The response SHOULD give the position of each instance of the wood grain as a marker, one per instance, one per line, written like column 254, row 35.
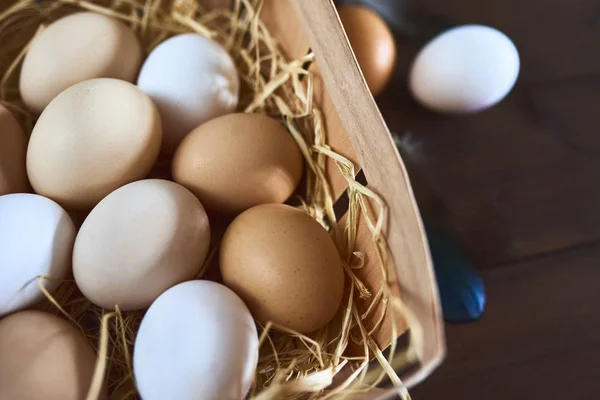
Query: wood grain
column 384, row 171
column 539, row 338
column 515, row 179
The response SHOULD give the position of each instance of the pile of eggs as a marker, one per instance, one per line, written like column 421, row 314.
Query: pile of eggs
column 107, row 120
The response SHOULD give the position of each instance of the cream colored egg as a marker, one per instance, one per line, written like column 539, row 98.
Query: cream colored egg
column 44, row 357
column 13, row 145
column 94, row 137
column 76, row 48
column 139, row 241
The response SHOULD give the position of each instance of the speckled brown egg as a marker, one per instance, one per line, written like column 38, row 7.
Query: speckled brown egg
column 237, row 161
column 75, row 48
column 373, row 44
column 44, row 357
column 13, row 145
column 284, row 265
column 93, row 138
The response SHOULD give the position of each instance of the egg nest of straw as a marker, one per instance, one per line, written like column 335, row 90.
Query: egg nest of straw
column 290, row 365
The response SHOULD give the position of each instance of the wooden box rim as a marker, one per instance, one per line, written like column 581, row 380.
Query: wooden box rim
column 378, row 156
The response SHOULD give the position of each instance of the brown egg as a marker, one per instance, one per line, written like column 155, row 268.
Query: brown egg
column 76, row 48
column 284, row 265
column 373, row 44
column 237, row 161
column 139, row 241
column 44, row 357
column 94, row 137
column 13, row 145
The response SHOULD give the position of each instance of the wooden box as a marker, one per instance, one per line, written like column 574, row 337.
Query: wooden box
column 356, row 130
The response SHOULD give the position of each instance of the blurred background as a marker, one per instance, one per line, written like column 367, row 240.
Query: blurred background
column 515, row 191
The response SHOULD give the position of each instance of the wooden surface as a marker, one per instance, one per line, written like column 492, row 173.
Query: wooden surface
column 519, row 183
column 539, row 339
column 518, row 179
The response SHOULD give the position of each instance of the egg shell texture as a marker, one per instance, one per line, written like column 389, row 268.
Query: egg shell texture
column 465, row 69
column 192, row 79
column 45, row 358
column 284, row 265
column 197, row 341
column 36, row 239
column 94, row 137
column 76, row 48
column 139, row 241
column 13, row 146
column 238, row 161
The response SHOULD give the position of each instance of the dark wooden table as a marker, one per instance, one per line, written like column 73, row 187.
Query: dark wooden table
column 521, row 186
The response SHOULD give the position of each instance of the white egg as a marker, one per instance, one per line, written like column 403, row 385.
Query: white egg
column 465, row 69
column 191, row 79
column 36, row 239
column 197, row 341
